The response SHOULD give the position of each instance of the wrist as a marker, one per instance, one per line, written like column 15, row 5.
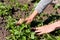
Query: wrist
column 33, row 14
column 56, row 25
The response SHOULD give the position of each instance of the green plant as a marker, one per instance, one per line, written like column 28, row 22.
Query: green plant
column 22, row 32
column 56, row 6
column 24, row 7
column 5, row 9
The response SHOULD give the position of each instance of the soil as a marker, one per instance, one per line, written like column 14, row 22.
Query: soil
column 3, row 32
column 49, row 9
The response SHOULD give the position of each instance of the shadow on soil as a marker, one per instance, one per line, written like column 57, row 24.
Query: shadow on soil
column 47, row 21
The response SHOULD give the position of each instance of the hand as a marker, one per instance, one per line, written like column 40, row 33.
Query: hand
column 29, row 20
column 44, row 29
column 20, row 21
column 31, row 17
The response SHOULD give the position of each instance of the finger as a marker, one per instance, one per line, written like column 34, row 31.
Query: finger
column 17, row 23
column 40, row 33
column 28, row 22
column 38, row 28
column 20, row 21
column 33, row 28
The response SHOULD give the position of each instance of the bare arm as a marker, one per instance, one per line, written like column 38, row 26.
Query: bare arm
column 40, row 7
column 57, row 24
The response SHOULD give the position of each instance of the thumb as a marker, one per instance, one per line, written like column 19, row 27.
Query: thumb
column 26, row 19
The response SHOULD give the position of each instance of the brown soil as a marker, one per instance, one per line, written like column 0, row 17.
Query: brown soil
column 16, row 15
column 23, row 14
column 3, row 31
column 49, row 9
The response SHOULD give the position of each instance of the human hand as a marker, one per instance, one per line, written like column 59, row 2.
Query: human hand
column 28, row 19
column 44, row 29
column 20, row 21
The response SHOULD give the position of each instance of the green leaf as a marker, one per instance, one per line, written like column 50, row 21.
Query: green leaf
column 23, row 38
column 32, row 35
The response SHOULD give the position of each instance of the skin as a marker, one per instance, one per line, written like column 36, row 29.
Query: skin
column 48, row 28
column 44, row 29
column 28, row 19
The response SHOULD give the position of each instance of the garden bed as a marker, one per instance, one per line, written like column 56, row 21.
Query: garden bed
column 12, row 11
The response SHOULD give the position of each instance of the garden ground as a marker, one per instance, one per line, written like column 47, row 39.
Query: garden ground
column 18, row 13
